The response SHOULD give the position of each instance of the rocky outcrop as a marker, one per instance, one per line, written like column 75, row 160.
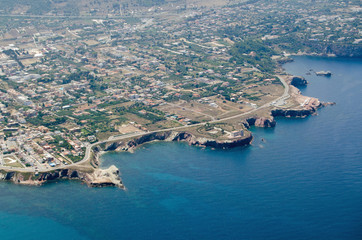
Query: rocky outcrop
column 160, row 136
column 295, row 113
column 324, row 73
column 298, row 81
column 20, row 178
column 96, row 178
column 308, row 109
column 219, row 144
column 190, row 139
column 113, row 146
column 305, row 106
column 324, row 104
column 104, row 178
column 262, row 122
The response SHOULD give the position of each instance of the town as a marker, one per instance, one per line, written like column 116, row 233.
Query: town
column 67, row 82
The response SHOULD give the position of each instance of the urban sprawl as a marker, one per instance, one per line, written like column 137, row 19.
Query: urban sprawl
column 68, row 82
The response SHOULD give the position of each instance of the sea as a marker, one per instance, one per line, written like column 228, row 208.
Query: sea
column 302, row 181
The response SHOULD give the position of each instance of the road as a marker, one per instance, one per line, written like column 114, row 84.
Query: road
column 88, row 151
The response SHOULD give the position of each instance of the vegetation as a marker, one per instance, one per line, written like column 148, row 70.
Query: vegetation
column 255, row 53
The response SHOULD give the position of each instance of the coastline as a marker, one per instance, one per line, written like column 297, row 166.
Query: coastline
column 283, row 171
column 292, row 104
column 110, row 177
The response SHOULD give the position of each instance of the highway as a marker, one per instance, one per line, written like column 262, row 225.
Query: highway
column 88, row 151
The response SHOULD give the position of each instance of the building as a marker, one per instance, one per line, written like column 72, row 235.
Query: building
column 236, row 134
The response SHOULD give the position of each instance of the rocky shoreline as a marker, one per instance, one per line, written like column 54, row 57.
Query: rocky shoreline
column 174, row 136
column 306, row 105
column 96, row 177
column 261, row 122
column 110, row 177
column 93, row 176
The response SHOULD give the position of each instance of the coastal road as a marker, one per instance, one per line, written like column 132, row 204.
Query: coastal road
column 89, row 151
column 114, row 139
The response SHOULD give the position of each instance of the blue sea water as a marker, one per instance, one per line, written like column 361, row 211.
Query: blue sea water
column 303, row 182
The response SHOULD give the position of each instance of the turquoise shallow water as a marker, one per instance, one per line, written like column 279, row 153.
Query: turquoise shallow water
column 304, row 182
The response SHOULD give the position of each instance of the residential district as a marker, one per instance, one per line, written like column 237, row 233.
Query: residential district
column 68, row 81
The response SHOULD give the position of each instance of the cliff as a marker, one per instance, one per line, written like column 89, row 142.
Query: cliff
column 96, row 178
column 104, row 178
column 306, row 106
column 173, row 136
column 298, row 81
column 301, row 113
column 262, row 122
